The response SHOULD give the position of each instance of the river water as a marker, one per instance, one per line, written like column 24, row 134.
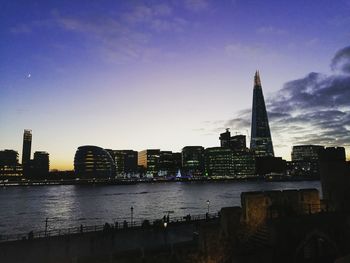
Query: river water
column 23, row 209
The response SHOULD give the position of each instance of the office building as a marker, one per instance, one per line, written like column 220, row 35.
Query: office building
column 125, row 162
column 243, row 164
column 218, row 162
column 193, row 161
column 177, row 159
column 9, row 165
column 26, row 151
column 306, row 160
column 149, row 161
column 261, row 142
column 40, row 164
column 271, row 166
column 93, row 162
column 166, row 164
column 235, row 143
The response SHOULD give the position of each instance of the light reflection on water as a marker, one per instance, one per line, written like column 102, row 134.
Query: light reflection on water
column 25, row 208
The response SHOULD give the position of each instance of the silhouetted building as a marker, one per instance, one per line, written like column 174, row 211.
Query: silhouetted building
column 93, row 162
column 261, row 142
column 9, row 165
column 335, row 178
column 26, row 151
column 177, row 159
column 166, row 164
column 270, row 165
column 193, row 161
column 149, row 160
column 125, row 162
column 218, row 162
column 306, row 160
column 235, row 143
column 40, row 164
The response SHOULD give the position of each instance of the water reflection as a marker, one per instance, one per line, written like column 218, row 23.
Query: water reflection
column 25, row 208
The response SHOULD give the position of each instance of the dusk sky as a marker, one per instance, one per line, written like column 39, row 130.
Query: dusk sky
column 166, row 74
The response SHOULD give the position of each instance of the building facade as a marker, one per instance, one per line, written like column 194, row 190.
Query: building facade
column 9, row 165
column 40, row 164
column 261, row 142
column 93, row 162
column 26, row 151
column 219, row 162
column 235, row 143
column 193, row 161
column 125, row 162
column 244, row 164
column 149, row 160
column 306, row 161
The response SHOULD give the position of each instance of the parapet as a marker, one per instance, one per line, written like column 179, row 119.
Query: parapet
column 257, row 207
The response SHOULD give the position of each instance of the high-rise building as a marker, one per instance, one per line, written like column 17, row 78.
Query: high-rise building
column 261, row 142
column 26, row 151
column 41, row 164
column 235, row 143
column 149, row 160
column 193, row 161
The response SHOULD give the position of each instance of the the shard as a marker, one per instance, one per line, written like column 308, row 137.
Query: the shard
column 261, row 142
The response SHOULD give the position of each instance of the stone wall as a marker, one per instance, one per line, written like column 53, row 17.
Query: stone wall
column 257, row 207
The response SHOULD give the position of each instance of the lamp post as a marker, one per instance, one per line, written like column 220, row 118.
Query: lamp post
column 132, row 216
column 46, row 223
column 165, row 233
column 208, row 204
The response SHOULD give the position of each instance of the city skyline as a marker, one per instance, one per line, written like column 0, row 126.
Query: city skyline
column 153, row 74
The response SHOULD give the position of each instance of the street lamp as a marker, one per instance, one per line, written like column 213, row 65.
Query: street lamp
column 46, row 225
column 132, row 215
column 208, row 204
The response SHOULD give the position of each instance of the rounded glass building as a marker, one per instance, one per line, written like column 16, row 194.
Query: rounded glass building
column 93, row 161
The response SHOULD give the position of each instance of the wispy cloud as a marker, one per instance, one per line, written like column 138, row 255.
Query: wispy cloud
column 196, row 5
column 270, row 30
column 118, row 37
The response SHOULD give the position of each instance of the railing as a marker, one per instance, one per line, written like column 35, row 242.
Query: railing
column 109, row 227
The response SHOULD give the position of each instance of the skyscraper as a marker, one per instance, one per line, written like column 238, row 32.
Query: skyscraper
column 26, row 151
column 260, row 142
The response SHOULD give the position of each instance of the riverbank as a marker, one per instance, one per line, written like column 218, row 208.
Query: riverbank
column 110, row 181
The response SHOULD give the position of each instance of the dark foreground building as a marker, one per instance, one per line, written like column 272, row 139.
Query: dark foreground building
column 93, row 162
column 261, row 142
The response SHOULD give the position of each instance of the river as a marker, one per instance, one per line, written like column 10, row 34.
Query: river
column 25, row 208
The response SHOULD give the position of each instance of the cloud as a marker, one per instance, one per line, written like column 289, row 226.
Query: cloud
column 341, row 60
column 117, row 37
column 270, row 30
column 314, row 109
column 196, row 5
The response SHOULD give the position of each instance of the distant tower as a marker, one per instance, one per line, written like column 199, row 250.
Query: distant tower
column 27, row 146
column 260, row 142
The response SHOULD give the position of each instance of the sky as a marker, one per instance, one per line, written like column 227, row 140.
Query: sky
column 166, row 74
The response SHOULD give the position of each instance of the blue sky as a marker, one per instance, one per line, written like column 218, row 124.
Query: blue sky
column 165, row 74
